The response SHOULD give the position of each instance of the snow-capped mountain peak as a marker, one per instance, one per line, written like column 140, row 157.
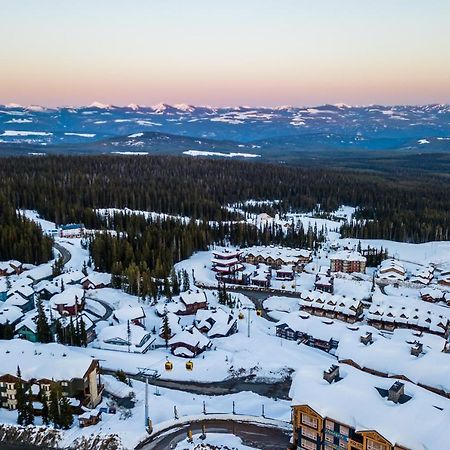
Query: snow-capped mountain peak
column 99, row 105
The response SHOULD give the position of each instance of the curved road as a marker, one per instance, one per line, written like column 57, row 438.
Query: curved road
column 66, row 255
column 258, row 436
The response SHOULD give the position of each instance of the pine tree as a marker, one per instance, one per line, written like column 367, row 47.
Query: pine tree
column 83, row 333
column 45, row 411
column 29, row 411
column 128, row 335
column 66, row 417
column 21, row 403
column 166, row 331
column 59, row 332
column 44, row 334
column 174, row 282
column 167, row 291
column 53, row 408
column 186, row 282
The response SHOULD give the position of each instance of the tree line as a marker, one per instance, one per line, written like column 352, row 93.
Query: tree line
column 69, row 189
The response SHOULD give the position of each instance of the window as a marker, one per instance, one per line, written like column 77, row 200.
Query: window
column 372, row 445
column 309, row 420
column 309, row 434
column 329, row 425
column 308, row 445
column 329, row 438
column 344, row 430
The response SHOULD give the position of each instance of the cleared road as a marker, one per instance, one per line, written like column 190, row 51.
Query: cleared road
column 258, row 436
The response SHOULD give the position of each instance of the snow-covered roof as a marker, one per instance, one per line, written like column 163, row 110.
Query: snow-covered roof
column 391, row 354
column 216, row 321
column 192, row 337
column 391, row 264
column 389, row 308
column 117, row 337
column 329, row 302
column 50, row 361
column 129, row 313
column 355, row 401
column 193, row 297
column 320, row 327
column 346, row 255
column 10, row 314
column 25, row 290
column 98, row 278
column 435, row 294
column 287, row 254
column 68, row 296
column 16, row 300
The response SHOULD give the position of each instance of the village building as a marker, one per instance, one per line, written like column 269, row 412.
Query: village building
column 6, row 269
column 191, row 301
column 389, row 313
column 72, row 230
column 27, row 328
column 431, row 295
column 422, row 275
column 216, row 323
column 227, row 264
column 276, row 257
column 261, row 276
column 444, row 278
column 324, row 281
column 24, row 303
column 332, row 306
column 189, row 343
column 130, row 314
column 10, row 315
column 310, row 331
column 126, row 338
column 347, row 262
column 342, row 407
column 69, row 302
column 77, row 375
column 391, row 269
column 285, row 273
column 96, row 280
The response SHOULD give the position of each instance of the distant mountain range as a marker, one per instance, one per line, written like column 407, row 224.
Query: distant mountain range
column 283, row 134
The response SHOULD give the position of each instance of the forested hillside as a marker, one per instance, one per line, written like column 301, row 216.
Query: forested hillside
column 20, row 238
column 68, row 189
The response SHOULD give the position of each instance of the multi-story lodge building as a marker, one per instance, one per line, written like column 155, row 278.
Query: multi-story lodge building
column 393, row 270
column 391, row 313
column 227, row 264
column 41, row 366
column 347, row 262
column 345, row 408
column 276, row 257
column 331, row 306
column 324, row 281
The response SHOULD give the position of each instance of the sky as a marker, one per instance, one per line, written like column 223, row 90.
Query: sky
column 224, row 52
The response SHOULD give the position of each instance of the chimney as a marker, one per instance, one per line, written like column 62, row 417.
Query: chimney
column 416, row 349
column 332, row 374
column 396, row 391
column 366, row 339
column 446, row 347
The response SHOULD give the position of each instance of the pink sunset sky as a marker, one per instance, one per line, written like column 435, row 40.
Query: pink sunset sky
column 253, row 52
